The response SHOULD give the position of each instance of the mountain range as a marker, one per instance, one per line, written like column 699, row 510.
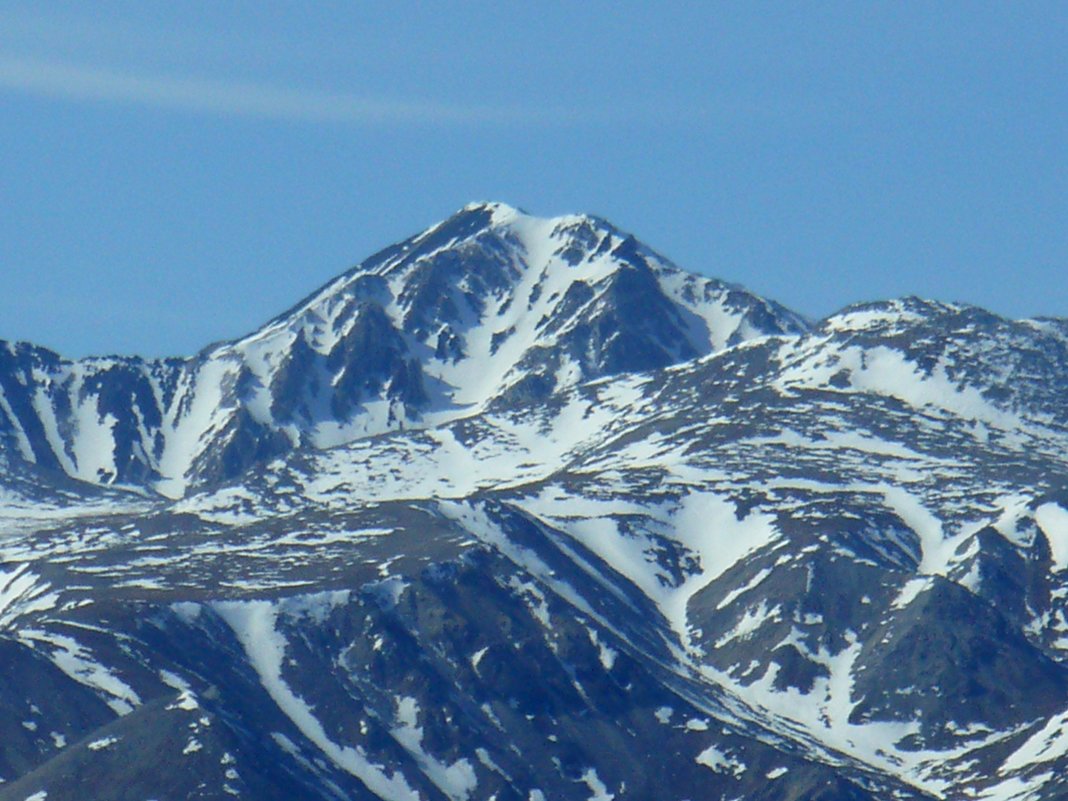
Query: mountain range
column 517, row 509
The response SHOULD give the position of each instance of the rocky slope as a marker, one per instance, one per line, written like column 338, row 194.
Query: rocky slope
column 517, row 510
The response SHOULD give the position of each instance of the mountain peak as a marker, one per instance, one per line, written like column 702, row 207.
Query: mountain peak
column 496, row 214
column 500, row 213
column 490, row 306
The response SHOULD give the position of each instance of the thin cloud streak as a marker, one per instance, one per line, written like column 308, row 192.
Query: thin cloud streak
column 64, row 81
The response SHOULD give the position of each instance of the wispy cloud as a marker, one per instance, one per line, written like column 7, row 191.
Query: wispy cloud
column 76, row 82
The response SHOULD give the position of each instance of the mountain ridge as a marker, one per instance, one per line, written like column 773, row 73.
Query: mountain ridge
column 820, row 564
column 362, row 344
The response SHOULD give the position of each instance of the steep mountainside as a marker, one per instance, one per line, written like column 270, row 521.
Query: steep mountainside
column 516, row 510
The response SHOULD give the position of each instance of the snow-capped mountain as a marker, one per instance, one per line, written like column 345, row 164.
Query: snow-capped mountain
column 491, row 304
column 516, row 509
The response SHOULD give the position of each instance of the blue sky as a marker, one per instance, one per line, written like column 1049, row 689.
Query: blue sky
column 176, row 174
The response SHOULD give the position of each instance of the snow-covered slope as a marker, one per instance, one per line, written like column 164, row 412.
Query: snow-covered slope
column 515, row 510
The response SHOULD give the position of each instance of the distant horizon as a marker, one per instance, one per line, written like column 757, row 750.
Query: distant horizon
column 175, row 178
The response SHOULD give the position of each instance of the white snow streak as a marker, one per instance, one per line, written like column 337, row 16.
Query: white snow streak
column 254, row 624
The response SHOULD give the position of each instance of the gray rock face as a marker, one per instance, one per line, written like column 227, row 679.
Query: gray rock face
column 517, row 510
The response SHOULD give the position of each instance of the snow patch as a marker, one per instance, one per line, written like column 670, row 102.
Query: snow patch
column 598, row 789
column 719, row 761
column 1045, row 745
column 710, row 526
column 254, row 625
column 1053, row 521
column 457, row 781
column 76, row 661
column 23, row 593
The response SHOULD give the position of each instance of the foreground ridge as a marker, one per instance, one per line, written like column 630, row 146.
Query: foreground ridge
column 516, row 509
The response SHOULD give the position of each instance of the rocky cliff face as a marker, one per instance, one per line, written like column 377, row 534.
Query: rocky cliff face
column 517, row 510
